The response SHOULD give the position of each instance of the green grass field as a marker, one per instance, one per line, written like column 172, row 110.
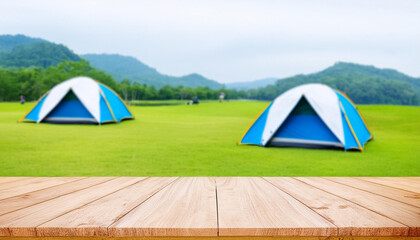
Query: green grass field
column 180, row 140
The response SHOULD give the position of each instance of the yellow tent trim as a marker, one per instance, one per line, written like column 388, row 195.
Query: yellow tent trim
column 109, row 106
column 360, row 114
column 119, row 98
column 354, row 134
column 252, row 123
column 30, row 109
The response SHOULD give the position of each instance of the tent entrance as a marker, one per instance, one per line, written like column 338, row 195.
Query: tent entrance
column 304, row 128
column 70, row 110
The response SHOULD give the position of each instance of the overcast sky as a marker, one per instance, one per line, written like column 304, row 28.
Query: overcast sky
column 229, row 41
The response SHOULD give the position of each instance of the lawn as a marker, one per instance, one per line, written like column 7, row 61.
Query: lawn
column 181, row 140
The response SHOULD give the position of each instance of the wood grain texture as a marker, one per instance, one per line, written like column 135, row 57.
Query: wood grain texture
column 187, row 207
column 28, row 199
column 404, row 196
column 351, row 219
column 211, row 238
column 398, row 211
column 93, row 219
column 254, row 207
column 24, row 221
column 158, row 208
column 407, row 183
column 27, row 180
column 33, row 181
column 15, row 188
column 11, row 179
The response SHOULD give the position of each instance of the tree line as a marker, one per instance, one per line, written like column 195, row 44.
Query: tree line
column 35, row 81
column 362, row 89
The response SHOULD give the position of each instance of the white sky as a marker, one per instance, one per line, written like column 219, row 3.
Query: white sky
column 229, row 40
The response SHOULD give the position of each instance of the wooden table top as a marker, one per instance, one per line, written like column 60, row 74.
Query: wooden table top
column 209, row 206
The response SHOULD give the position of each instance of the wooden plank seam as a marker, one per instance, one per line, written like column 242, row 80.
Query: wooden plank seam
column 382, row 195
column 409, row 228
column 329, row 220
column 19, row 197
column 217, row 208
column 184, row 209
column 345, row 214
column 11, row 179
column 382, row 184
column 36, row 232
column 49, row 198
column 319, row 183
column 41, row 179
column 385, row 181
column 361, row 205
column 170, row 183
column 108, row 208
column 37, row 190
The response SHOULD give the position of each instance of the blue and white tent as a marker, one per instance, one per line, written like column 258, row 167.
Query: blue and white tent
column 79, row 100
column 312, row 116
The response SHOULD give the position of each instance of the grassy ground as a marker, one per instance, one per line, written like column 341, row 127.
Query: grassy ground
column 180, row 140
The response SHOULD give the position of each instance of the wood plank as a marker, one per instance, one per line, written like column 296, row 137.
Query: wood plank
column 383, row 190
column 93, row 219
column 187, row 207
column 11, row 189
column 398, row 211
column 11, row 179
column 407, row 183
column 212, row 238
column 28, row 199
column 154, row 207
column 351, row 219
column 254, row 207
column 23, row 222
column 27, row 180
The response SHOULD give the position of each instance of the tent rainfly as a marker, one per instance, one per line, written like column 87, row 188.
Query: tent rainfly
column 79, row 100
column 309, row 116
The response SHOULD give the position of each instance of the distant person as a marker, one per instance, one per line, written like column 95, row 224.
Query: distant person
column 221, row 96
column 195, row 100
column 22, row 99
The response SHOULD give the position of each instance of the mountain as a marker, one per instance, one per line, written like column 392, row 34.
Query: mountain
column 354, row 70
column 363, row 84
column 118, row 64
column 125, row 67
column 22, row 51
column 8, row 42
column 252, row 84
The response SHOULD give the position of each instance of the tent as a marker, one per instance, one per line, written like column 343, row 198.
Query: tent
column 310, row 116
column 79, row 100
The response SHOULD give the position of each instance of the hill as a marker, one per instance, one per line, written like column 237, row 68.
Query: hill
column 358, row 70
column 252, row 84
column 8, row 42
column 363, row 84
column 118, row 64
column 22, row 51
column 126, row 67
